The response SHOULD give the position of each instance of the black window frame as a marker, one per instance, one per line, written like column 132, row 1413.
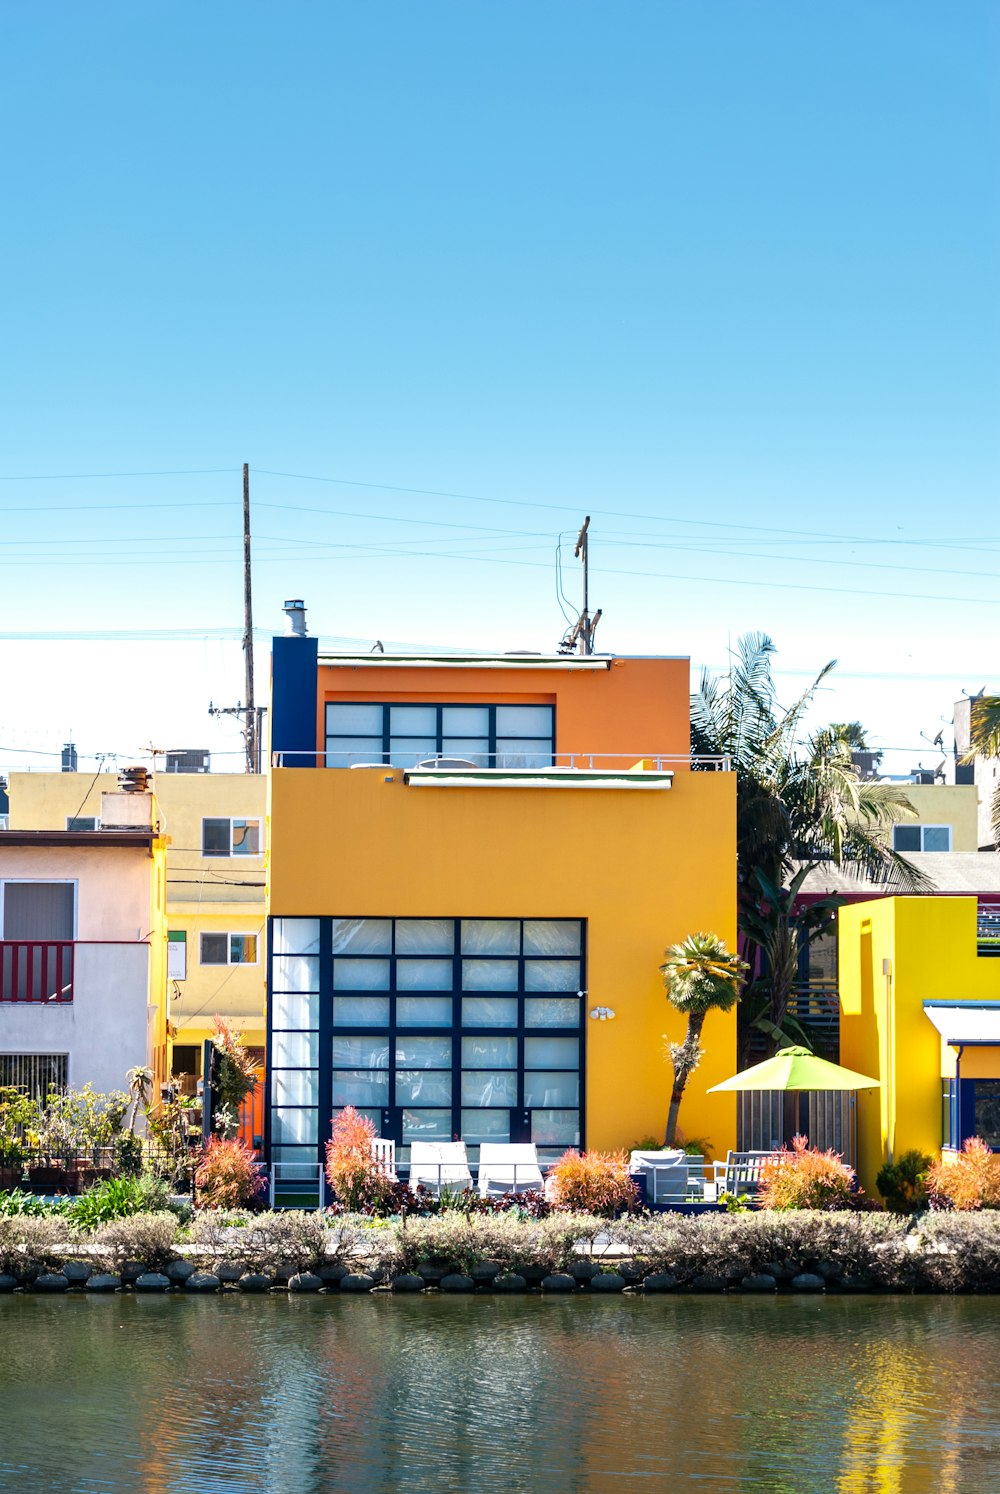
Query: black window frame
column 230, row 821
column 441, row 737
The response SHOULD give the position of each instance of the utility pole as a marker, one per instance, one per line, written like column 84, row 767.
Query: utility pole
column 251, row 715
column 581, row 635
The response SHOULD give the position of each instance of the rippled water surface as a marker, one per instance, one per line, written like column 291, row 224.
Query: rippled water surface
column 302, row 1394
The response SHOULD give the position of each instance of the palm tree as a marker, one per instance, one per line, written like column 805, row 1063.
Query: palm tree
column 700, row 975
column 984, row 740
column 799, row 803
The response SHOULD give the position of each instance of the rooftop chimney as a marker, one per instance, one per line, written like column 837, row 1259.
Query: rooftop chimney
column 295, row 619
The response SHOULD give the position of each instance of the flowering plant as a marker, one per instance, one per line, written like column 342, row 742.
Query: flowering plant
column 805, row 1178
column 971, row 1180
column 593, row 1183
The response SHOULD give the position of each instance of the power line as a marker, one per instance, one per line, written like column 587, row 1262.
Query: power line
column 87, row 476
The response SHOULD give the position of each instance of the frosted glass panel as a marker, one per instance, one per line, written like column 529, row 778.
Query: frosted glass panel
column 295, row 1012
column 423, row 975
column 354, row 720
column 538, row 1012
column 466, row 721
column 423, row 1011
column 344, row 752
column 475, row 750
column 489, row 1088
column 360, row 1087
column 295, row 1050
column 485, row 1125
column 513, row 752
column 413, row 721
column 489, row 1052
column 489, row 975
column 552, row 975
column 295, row 973
column 407, row 752
column 551, row 1088
column 423, row 1087
column 524, row 721
column 551, row 936
column 427, row 1125
column 296, row 936
column 375, row 1116
column 423, row 1052
column 551, row 1053
column 555, row 1127
column 296, row 1162
column 362, row 935
column 425, row 936
column 360, row 1011
column 295, row 1086
column 360, row 1052
column 487, row 1011
column 495, row 936
column 294, row 1126
column 361, row 975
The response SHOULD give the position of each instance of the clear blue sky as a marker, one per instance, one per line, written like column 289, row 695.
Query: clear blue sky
column 723, row 275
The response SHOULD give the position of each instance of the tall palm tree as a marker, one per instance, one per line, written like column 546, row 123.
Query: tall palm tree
column 984, row 737
column 700, row 975
column 800, row 802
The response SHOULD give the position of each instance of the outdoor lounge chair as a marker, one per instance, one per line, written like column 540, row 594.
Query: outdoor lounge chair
column 384, row 1153
column 439, row 1164
column 508, row 1167
column 667, row 1175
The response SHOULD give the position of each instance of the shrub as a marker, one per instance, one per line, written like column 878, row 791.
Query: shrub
column 28, row 1241
column 903, row 1183
column 461, row 1241
column 263, row 1242
column 358, row 1180
column 594, row 1183
column 959, row 1251
column 227, row 1175
column 971, row 1180
column 118, row 1198
column 19, row 1203
column 149, row 1238
column 805, row 1178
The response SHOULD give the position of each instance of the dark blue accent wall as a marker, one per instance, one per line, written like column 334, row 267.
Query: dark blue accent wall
column 293, row 700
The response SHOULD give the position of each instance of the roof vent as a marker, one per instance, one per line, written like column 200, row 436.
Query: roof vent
column 295, row 618
column 133, row 780
column 191, row 760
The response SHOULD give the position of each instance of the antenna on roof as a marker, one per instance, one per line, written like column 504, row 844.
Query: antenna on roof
column 580, row 637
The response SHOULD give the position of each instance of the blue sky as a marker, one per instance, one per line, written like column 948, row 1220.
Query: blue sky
column 722, row 275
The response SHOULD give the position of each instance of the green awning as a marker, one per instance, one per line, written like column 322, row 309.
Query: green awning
column 796, row 1068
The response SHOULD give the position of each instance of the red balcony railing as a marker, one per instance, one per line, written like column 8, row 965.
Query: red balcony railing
column 36, row 970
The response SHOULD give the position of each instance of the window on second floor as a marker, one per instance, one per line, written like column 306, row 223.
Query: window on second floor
column 229, row 949
column 490, row 736
column 38, row 910
column 230, row 838
column 921, row 838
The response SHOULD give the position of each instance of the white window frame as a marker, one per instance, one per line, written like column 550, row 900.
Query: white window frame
column 229, row 934
column 242, row 819
column 908, row 825
column 63, row 882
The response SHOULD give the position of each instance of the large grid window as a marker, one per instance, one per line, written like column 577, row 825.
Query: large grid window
column 501, row 736
column 432, row 1027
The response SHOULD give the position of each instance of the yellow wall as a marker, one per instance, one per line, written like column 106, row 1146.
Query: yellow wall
column 203, row 894
column 954, row 804
column 931, row 945
column 644, row 868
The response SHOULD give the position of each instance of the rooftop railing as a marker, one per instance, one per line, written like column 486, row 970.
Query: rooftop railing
column 506, row 761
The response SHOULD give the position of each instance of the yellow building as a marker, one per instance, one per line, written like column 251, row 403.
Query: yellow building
column 945, row 818
column 213, row 827
column 475, row 865
column 920, row 1011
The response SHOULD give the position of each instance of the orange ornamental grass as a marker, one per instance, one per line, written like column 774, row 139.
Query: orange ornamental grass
column 354, row 1173
column 804, row 1178
column 971, row 1180
column 227, row 1175
column 594, row 1183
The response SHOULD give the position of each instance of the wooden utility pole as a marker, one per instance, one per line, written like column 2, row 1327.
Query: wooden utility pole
column 586, row 645
column 253, row 765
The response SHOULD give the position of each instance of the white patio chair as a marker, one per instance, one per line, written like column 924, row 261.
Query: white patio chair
column 508, row 1167
column 666, row 1175
column 384, row 1153
column 740, row 1173
column 439, row 1164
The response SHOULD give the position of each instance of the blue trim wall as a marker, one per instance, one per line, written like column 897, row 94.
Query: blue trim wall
column 294, row 667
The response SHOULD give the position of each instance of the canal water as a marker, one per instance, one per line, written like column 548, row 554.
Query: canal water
column 296, row 1395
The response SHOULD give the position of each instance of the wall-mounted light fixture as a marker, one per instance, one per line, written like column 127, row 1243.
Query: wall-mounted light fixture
column 601, row 1014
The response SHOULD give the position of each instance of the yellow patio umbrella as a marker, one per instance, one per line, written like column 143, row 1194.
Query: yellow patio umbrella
column 796, row 1069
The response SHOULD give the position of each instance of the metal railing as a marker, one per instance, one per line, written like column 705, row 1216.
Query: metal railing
column 988, row 929
column 509, row 761
column 36, row 970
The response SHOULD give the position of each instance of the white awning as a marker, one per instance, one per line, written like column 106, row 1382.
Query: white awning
column 532, row 778
column 967, row 1022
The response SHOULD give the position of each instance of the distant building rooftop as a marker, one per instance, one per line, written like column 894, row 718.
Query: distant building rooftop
column 966, row 872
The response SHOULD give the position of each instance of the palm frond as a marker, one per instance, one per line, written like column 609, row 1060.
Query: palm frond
column 984, row 727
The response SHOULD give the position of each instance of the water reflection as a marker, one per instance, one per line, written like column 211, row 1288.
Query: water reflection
column 362, row 1395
